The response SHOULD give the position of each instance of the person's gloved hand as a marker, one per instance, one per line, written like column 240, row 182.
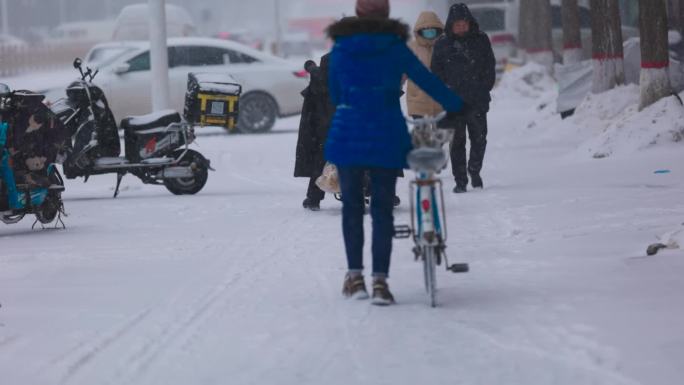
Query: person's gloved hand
column 452, row 118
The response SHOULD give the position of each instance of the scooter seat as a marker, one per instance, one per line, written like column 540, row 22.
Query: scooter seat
column 154, row 120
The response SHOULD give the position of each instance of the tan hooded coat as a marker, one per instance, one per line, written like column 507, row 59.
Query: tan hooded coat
column 419, row 103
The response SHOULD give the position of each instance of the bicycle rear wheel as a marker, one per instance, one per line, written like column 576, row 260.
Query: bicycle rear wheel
column 429, row 270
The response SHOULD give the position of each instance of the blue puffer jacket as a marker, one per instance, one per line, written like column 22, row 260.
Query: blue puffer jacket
column 368, row 61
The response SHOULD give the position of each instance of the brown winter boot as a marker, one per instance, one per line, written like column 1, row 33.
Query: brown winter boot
column 381, row 293
column 354, row 287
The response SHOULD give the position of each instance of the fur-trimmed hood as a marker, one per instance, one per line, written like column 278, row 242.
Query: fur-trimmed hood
column 350, row 26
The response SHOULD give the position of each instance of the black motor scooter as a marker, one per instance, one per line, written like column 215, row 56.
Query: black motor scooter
column 156, row 145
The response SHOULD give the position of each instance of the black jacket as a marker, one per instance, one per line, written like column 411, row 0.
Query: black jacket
column 466, row 63
column 317, row 112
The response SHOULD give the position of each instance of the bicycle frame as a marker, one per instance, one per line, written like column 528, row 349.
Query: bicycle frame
column 427, row 211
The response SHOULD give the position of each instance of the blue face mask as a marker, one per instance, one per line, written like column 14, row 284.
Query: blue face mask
column 429, row 33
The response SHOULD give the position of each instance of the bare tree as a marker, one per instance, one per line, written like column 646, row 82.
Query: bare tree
column 678, row 15
column 655, row 57
column 526, row 23
column 608, row 56
column 535, row 31
column 572, row 37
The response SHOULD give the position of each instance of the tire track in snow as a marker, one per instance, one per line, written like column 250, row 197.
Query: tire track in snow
column 181, row 330
column 550, row 356
column 101, row 345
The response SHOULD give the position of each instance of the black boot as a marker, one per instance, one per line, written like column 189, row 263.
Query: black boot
column 460, row 189
column 476, row 181
column 311, row 204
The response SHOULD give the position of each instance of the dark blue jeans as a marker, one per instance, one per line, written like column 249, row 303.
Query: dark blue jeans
column 383, row 184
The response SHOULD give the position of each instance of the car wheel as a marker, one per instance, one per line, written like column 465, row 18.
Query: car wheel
column 258, row 113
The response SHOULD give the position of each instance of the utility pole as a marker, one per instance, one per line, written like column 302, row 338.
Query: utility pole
column 62, row 11
column 5, row 17
column 108, row 9
column 159, row 55
column 278, row 30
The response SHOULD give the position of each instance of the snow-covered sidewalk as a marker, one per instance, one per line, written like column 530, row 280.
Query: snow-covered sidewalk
column 239, row 285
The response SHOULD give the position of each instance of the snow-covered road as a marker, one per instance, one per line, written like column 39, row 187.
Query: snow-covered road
column 239, row 285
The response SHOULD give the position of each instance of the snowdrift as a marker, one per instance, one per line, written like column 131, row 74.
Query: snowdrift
column 619, row 127
column 603, row 125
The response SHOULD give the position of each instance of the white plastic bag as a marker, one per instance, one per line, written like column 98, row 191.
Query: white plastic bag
column 329, row 181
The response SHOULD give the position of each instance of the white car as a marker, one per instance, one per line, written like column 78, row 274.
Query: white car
column 271, row 85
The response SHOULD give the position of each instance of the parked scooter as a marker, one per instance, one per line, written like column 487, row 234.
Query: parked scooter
column 156, row 145
column 29, row 142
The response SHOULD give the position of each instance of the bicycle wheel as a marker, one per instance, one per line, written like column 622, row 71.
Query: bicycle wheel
column 429, row 263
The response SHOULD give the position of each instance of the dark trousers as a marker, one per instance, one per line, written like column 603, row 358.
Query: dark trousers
column 313, row 192
column 383, row 184
column 475, row 123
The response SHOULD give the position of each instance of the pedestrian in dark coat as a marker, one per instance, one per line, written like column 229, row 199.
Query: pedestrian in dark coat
column 464, row 60
column 369, row 133
column 317, row 112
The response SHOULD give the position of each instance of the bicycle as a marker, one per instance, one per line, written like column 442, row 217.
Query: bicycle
column 428, row 213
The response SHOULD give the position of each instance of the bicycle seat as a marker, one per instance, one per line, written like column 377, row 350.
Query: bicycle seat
column 427, row 159
column 154, row 120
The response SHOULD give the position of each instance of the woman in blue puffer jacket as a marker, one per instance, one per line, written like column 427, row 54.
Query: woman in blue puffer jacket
column 368, row 132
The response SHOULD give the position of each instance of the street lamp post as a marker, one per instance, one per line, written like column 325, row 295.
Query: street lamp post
column 159, row 56
column 278, row 30
column 5, row 17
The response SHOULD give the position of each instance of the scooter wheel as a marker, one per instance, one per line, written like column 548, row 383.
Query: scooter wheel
column 49, row 210
column 189, row 186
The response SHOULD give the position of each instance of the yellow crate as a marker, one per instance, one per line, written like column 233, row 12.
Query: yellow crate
column 209, row 116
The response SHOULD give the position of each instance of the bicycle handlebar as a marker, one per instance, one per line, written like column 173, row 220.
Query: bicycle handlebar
column 428, row 120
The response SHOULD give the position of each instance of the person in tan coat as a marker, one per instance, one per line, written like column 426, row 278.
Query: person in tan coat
column 427, row 30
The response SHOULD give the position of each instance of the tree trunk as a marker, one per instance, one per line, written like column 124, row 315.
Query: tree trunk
column 608, row 57
column 655, row 57
column 681, row 17
column 674, row 14
column 535, row 31
column 526, row 23
column 572, row 37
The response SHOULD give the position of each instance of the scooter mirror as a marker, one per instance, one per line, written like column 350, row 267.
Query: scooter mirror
column 309, row 66
column 77, row 63
column 4, row 89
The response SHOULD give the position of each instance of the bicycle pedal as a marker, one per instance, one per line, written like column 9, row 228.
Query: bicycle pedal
column 402, row 232
column 459, row 268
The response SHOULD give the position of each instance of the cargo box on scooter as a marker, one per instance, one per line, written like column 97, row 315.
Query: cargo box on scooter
column 212, row 99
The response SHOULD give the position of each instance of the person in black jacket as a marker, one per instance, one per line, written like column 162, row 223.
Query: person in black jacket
column 464, row 60
column 317, row 113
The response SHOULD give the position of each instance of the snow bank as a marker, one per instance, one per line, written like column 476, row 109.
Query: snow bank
column 618, row 127
column 531, row 81
column 604, row 124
